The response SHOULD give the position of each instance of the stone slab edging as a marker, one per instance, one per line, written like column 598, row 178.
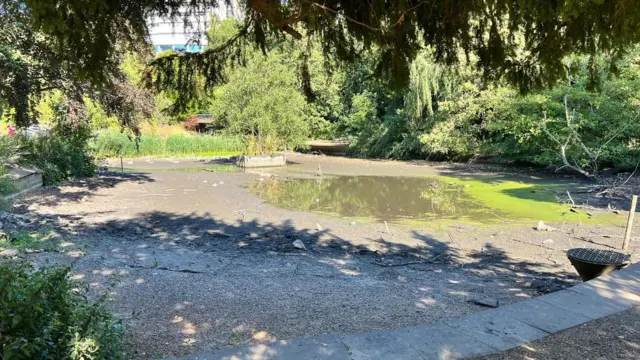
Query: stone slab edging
column 481, row 333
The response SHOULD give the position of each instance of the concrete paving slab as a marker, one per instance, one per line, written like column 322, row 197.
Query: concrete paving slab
column 496, row 329
column 591, row 307
column 315, row 348
column 544, row 316
column 441, row 341
column 381, row 345
column 619, row 287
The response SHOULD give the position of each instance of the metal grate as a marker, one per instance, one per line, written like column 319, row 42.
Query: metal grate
column 597, row 256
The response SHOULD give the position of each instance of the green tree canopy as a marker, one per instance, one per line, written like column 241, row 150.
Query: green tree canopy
column 525, row 41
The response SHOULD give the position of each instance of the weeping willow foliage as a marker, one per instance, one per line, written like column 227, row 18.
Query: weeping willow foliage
column 429, row 82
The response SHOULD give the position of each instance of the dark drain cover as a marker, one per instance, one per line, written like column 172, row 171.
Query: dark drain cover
column 598, row 257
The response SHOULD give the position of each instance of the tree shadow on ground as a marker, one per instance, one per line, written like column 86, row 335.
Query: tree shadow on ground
column 205, row 233
column 77, row 190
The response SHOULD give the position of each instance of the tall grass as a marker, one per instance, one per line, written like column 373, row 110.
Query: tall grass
column 113, row 144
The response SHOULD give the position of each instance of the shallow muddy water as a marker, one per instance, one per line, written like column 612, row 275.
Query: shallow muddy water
column 424, row 199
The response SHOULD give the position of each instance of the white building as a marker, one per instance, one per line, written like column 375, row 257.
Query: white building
column 168, row 35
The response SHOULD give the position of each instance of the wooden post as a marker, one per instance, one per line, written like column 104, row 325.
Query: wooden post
column 632, row 211
column 121, row 165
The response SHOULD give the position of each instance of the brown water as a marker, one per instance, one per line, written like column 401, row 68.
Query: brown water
column 410, row 199
column 378, row 198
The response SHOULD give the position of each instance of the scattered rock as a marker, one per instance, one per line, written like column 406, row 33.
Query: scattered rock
column 548, row 242
column 217, row 233
column 298, row 244
column 8, row 253
column 253, row 235
column 544, row 227
column 488, row 302
column 317, row 227
column 221, row 183
column 205, row 181
column 353, row 223
column 215, row 185
column 546, row 286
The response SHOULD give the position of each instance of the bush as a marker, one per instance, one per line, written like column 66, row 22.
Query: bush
column 45, row 316
column 61, row 154
column 114, row 144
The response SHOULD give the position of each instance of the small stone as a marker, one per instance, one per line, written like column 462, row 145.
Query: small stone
column 353, row 223
column 261, row 179
column 544, row 227
column 298, row 244
column 317, row 200
column 488, row 302
column 548, row 242
column 205, row 181
column 215, row 185
column 221, row 183
column 317, row 227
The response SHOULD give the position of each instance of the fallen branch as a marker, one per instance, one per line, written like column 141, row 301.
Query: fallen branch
column 188, row 271
column 430, row 260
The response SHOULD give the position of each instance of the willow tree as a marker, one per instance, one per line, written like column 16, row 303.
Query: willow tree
column 520, row 40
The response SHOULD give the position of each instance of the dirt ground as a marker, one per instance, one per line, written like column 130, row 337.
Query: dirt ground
column 194, row 261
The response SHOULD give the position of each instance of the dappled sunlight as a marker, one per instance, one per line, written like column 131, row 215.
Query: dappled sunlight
column 426, row 302
column 262, row 336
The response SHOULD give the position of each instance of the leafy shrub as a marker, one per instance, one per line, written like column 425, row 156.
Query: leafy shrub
column 45, row 316
column 61, row 154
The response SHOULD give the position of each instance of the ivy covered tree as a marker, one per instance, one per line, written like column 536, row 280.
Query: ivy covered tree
column 522, row 41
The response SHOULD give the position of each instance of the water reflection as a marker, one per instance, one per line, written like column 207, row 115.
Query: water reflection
column 379, row 198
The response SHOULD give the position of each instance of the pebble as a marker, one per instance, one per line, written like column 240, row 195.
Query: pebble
column 548, row 242
column 221, row 183
column 488, row 302
column 544, row 227
column 214, row 185
column 353, row 223
column 298, row 244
